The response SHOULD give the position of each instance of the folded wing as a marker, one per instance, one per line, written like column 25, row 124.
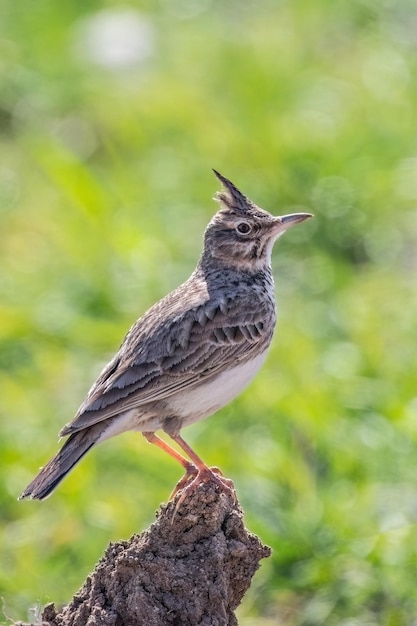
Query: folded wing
column 188, row 348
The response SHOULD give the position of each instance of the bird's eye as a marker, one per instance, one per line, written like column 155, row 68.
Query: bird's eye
column 243, row 228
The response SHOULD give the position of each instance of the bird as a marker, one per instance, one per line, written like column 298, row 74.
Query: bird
column 192, row 352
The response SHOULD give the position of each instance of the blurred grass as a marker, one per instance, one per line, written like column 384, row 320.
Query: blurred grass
column 105, row 190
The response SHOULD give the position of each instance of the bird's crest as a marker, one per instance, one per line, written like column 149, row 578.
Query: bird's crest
column 230, row 197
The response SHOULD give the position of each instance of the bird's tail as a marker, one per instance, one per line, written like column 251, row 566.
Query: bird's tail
column 50, row 476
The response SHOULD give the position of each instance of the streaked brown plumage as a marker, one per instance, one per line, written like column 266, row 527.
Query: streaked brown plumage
column 190, row 353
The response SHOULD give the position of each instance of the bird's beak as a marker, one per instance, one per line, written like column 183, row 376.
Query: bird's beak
column 285, row 222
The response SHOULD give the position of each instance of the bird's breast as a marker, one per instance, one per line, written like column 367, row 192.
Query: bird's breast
column 207, row 398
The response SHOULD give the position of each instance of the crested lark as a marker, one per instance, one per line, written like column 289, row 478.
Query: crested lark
column 192, row 352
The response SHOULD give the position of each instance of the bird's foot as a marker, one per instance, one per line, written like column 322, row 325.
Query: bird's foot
column 191, row 481
column 190, row 474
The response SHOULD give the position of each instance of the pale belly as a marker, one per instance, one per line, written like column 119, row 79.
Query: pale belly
column 192, row 405
column 199, row 402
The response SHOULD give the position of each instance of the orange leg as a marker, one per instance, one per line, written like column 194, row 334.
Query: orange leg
column 189, row 452
column 190, row 469
column 157, row 441
column 204, row 473
column 196, row 471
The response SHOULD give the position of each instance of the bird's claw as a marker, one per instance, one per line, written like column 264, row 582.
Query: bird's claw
column 189, row 476
column 198, row 477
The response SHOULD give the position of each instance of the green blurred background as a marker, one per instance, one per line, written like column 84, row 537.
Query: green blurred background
column 111, row 116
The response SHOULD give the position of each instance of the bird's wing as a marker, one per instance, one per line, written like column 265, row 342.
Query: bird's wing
column 184, row 351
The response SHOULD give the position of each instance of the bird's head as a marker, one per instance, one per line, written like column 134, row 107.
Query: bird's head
column 242, row 234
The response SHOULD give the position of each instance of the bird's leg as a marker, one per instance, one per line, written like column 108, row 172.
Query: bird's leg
column 157, row 441
column 204, row 473
column 191, row 470
column 199, row 463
